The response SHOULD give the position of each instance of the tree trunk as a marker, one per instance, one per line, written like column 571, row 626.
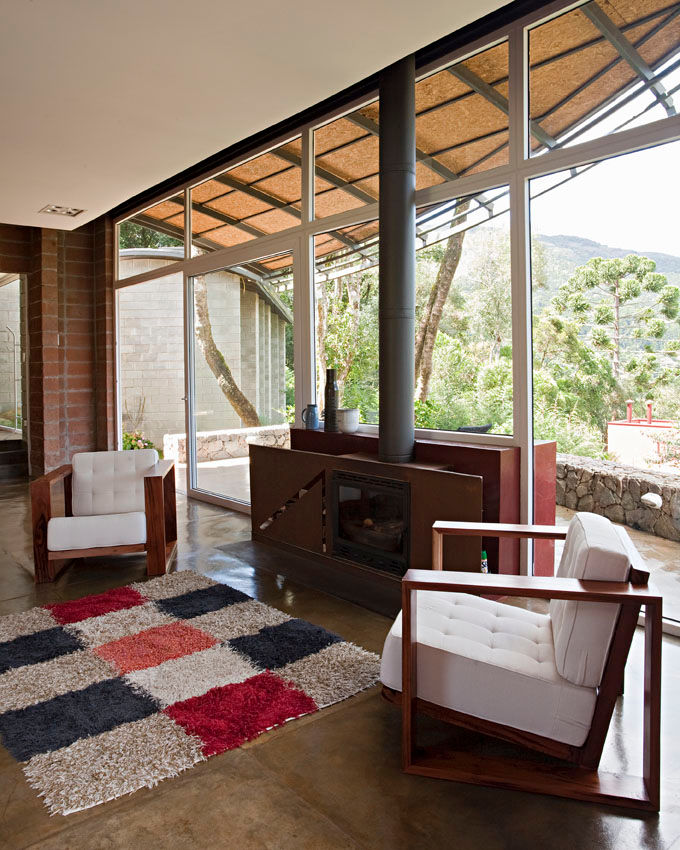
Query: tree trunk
column 215, row 359
column 354, row 303
column 432, row 313
column 321, row 321
column 617, row 331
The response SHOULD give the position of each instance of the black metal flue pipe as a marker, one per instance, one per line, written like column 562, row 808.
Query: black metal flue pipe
column 397, row 260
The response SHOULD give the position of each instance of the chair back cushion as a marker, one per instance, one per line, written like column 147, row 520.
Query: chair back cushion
column 582, row 631
column 110, row 482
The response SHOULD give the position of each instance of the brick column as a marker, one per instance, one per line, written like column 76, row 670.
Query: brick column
column 45, row 380
column 103, row 334
column 76, row 320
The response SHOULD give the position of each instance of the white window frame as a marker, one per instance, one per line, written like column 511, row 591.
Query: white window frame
column 516, row 174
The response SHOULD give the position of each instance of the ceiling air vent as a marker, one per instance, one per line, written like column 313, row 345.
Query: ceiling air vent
column 55, row 209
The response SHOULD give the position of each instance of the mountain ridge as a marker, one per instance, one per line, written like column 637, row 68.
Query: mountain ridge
column 583, row 249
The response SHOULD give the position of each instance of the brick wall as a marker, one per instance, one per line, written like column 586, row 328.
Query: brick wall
column 16, row 248
column 103, row 333
column 44, row 367
column 75, row 279
column 68, row 280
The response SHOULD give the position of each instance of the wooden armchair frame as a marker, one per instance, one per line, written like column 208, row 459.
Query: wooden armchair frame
column 161, row 522
column 580, row 779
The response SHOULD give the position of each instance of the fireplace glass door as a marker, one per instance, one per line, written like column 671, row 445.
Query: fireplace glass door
column 370, row 518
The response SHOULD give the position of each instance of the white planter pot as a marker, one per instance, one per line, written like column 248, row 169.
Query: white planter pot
column 348, row 419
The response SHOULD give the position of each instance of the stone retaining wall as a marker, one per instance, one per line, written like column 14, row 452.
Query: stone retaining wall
column 220, row 445
column 614, row 490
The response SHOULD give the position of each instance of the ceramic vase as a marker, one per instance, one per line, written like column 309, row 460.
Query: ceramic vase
column 330, row 417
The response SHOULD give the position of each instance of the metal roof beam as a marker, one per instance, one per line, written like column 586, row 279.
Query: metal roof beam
column 425, row 158
column 266, row 198
column 629, row 53
column 178, row 233
column 469, row 78
column 228, row 219
column 254, row 192
column 374, row 128
column 329, row 177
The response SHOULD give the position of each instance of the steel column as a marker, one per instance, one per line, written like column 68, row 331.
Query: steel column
column 397, row 260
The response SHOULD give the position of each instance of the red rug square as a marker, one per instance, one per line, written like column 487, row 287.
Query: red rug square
column 154, row 646
column 223, row 718
column 95, row 606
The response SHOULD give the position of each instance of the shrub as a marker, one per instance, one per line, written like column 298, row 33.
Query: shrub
column 137, row 440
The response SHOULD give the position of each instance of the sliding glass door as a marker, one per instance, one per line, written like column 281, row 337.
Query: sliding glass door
column 240, row 370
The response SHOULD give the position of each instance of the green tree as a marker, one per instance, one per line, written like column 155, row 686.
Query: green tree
column 571, row 378
column 617, row 302
column 131, row 235
column 432, row 310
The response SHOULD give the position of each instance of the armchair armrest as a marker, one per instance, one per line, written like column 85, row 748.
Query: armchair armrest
column 537, row 587
column 500, row 529
column 161, row 469
column 445, row 528
column 161, row 516
column 55, row 475
column 41, row 513
column 41, row 492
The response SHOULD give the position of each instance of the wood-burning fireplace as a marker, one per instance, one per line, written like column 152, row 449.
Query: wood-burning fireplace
column 370, row 518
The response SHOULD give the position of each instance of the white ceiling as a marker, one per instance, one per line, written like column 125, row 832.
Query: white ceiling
column 101, row 100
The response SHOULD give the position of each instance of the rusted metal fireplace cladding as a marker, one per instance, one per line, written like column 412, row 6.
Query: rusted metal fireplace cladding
column 364, row 548
column 397, row 261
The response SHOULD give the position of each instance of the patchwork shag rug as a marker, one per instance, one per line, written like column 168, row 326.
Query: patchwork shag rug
column 114, row 692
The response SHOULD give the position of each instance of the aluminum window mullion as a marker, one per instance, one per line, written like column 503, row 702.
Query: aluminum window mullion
column 303, row 326
column 188, row 234
column 520, row 263
column 189, row 422
column 622, row 142
column 304, row 343
column 118, row 430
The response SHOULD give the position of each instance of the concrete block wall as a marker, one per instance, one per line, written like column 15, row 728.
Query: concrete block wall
column 151, row 356
column 151, row 351
column 212, row 409
column 250, row 344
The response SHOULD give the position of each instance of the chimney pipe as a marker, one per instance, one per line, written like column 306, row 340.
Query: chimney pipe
column 397, row 260
column 649, row 412
column 629, row 410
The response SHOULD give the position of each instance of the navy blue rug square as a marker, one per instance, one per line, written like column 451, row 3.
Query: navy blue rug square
column 97, row 708
column 276, row 646
column 39, row 646
column 201, row 601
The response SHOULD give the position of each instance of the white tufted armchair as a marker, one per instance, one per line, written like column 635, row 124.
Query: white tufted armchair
column 548, row 682
column 114, row 503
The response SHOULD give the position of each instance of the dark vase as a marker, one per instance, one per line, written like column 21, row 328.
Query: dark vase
column 330, row 418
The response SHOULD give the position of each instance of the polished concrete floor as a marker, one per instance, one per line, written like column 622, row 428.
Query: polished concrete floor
column 229, row 478
column 330, row 780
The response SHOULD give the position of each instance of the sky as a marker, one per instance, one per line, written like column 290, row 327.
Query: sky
column 627, row 202
column 630, row 201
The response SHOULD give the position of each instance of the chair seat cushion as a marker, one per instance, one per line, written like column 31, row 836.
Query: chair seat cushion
column 89, row 532
column 493, row 661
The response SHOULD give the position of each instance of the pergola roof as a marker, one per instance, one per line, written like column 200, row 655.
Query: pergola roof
column 580, row 63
